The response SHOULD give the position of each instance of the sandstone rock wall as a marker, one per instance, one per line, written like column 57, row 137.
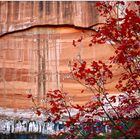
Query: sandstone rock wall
column 35, row 59
column 15, row 15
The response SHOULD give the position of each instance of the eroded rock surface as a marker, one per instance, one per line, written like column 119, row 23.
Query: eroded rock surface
column 21, row 15
column 35, row 60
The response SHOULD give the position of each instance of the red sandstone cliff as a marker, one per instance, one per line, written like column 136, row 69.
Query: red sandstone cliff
column 21, row 15
column 34, row 55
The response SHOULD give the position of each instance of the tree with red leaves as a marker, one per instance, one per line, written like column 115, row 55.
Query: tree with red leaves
column 121, row 29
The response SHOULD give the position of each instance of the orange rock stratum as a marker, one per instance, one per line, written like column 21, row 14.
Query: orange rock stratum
column 36, row 46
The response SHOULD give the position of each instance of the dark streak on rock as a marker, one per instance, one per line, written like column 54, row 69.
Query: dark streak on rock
column 16, row 9
column 41, row 8
column 48, row 7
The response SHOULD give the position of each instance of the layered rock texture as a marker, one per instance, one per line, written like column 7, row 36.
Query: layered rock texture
column 21, row 15
column 36, row 47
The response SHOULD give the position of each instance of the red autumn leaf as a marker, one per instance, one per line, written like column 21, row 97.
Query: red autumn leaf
column 38, row 112
column 79, row 40
column 29, row 96
column 100, row 62
column 113, row 98
column 54, row 109
column 82, row 91
column 98, row 4
column 75, row 64
column 57, row 91
column 78, row 107
column 68, row 123
column 60, row 96
column 90, row 44
column 74, row 43
column 72, row 120
column 87, row 71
